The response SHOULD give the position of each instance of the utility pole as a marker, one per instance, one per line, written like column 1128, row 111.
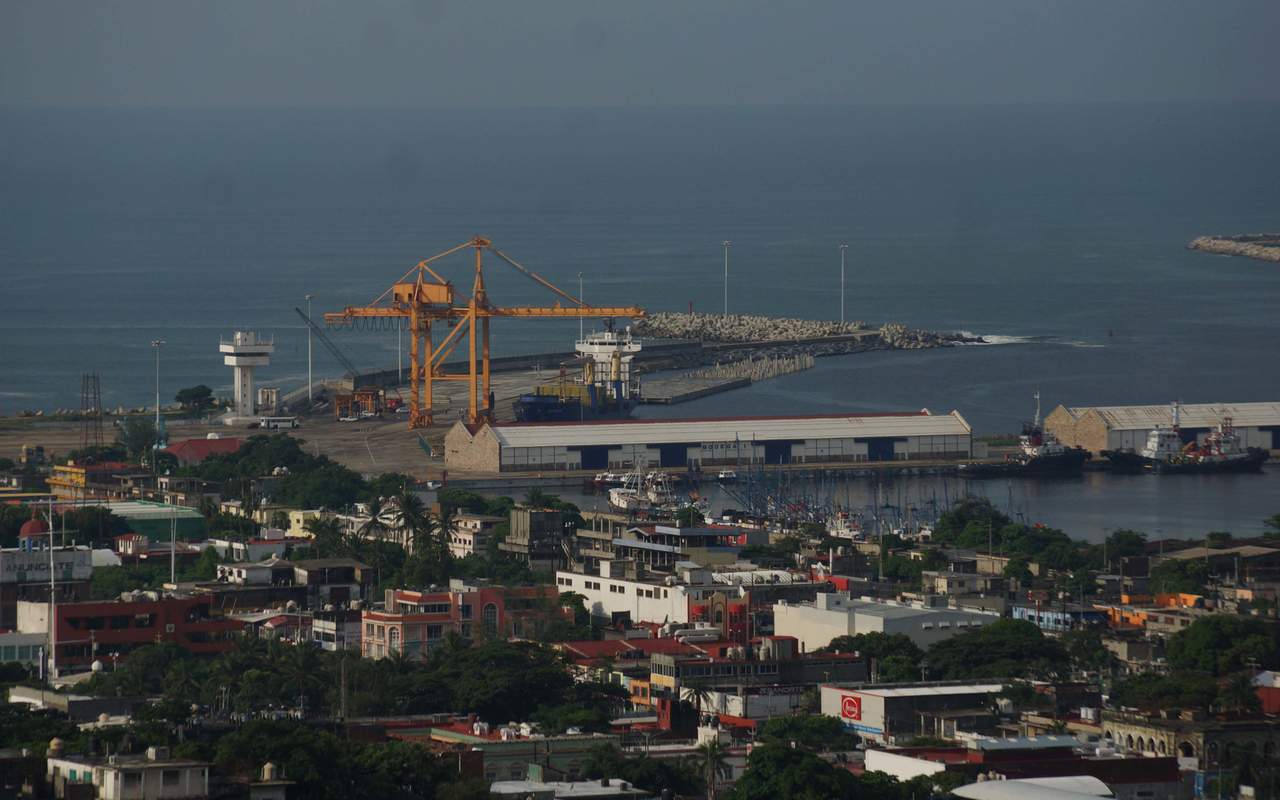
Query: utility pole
column 310, row 400
column 156, row 343
column 726, row 244
column 843, row 248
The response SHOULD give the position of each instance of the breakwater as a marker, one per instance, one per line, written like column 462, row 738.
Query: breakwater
column 761, row 331
column 1262, row 246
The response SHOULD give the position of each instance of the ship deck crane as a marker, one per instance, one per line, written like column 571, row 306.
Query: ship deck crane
column 423, row 297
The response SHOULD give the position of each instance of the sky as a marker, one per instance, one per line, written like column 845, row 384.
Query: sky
column 607, row 53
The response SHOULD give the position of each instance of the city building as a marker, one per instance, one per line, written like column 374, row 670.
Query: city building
column 1242, row 563
column 415, row 623
column 659, row 547
column 536, row 538
column 335, row 629
column 624, row 593
column 333, row 580
column 269, row 542
column 510, row 750
column 244, row 352
column 603, row 789
column 696, row 443
column 1198, row 741
column 886, row 712
column 152, row 776
column 272, row 571
column 24, row 571
column 104, row 480
column 1059, row 616
column 107, row 630
column 1098, row 428
column 835, row 614
column 471, row 533
column 774, row 661
column 137, row 548
column 952, row 582
column 193, row 451
column 23, row 648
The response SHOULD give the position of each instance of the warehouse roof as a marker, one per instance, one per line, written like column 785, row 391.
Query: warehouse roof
column 743, row 429
column 1195, row 415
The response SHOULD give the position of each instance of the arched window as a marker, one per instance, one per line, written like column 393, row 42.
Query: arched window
column 1187, row 750
column 489, row 616
column 1128, row 741
column 393, row 639
column 1108, row 736
column 1160, row 747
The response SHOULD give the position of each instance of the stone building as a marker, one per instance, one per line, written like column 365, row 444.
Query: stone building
column 1192, row 736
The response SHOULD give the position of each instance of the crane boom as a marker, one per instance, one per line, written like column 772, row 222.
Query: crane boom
column 352, row 372
column 423, row 296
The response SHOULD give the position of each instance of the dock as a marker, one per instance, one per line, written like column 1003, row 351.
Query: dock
column 681, row 389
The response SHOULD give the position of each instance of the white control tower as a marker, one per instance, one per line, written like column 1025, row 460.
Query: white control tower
column 244, row 352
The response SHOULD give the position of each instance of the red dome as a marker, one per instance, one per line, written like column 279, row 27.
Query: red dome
column 33, row 526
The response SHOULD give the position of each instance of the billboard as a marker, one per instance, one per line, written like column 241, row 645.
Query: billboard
column 851, row 707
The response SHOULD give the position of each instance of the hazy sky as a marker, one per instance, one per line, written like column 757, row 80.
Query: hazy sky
column 267, row 53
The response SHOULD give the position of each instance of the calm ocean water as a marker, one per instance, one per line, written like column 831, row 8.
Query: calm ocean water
column 1057, row 229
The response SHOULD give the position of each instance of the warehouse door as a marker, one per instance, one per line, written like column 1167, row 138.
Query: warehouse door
column 673, row 455
column 595, row 457
column 777, row 452
column 879, row 448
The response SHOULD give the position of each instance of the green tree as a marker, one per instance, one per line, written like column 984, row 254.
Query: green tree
column 775, row 772
column 1272, row 526
column 1239, row 694
column 1179, row 575
column 1150, row 692
column 137, row 435
column 814, row 732
column 195, row 398
column 1006, row 648
column 1087, row 652
column 1223, row 643
column 897, row 657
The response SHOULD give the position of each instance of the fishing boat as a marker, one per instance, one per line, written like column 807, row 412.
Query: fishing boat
column 1174, row 451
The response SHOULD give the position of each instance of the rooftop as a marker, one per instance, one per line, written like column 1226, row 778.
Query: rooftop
column 1243, row 551
column 940, row 688
column 743, row 429
column 1196, row 415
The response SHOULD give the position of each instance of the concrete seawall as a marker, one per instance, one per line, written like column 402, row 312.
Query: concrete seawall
column 1262, row 246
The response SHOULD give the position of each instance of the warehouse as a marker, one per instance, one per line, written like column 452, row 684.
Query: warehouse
column 1098, row 428
column 704, row 443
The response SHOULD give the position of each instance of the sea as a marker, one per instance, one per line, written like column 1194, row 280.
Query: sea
column 1056, row 232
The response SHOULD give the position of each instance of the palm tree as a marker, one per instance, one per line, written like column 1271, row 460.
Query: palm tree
column 374, row 527
column 327, row 534
column 299, row 667
column 714, row 764
column 697, row 693
column 411, row 515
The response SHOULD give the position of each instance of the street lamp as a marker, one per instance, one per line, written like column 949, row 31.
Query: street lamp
column 156, row 343
column 726, row 244
column 843, row 248
column 309, row 398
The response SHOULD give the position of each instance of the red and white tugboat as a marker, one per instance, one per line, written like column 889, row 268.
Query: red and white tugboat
column 1167, row 452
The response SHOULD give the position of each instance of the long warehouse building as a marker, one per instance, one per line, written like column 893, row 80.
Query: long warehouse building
column 1098, row 428
column 644, row 443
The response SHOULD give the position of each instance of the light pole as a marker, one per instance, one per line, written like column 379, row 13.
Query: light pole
column 843, row 248
column 156, row 343
column 726, row 244
column 310, row 401
column 579, row 301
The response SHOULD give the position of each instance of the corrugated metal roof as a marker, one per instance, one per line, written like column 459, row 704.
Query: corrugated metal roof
column 744, row 429
column 1195, row 415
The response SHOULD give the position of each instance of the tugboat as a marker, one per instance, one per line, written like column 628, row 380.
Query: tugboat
column 604, row 390
column 1166, row 452
column 1039, row 454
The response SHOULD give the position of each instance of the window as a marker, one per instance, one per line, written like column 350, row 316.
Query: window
column 169, row 778
column 465, row 610
column 133, row 780
column 489, row 616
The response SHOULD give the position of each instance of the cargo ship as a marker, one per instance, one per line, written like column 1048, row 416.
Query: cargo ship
column 1166, row 451
column 605, row 387
column 1039, row 454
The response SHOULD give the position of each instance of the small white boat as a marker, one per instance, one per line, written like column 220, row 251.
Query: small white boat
column 726, row 476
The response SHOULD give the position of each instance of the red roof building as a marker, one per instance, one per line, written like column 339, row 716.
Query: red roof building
column 193, row 451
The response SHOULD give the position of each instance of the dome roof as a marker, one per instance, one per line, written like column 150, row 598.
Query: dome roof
column 33, row 526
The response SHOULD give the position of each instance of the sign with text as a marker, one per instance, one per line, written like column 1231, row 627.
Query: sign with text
column 851, row 706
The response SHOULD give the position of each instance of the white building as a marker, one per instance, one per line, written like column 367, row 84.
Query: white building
column 831, row 615
column 154, row 776
column 243, row 353
column 25, row 648
column 885, row 712
column 627, row 444
column 471, row 533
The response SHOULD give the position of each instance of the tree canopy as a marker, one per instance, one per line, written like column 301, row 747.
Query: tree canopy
column 1007, row 648
column 1218, row 644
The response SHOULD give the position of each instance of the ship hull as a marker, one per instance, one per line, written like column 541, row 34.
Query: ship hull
column 534, row 408
column 1064, row 464
column 1125, row 461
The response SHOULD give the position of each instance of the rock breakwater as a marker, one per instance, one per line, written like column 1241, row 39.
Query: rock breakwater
column 754, row 329
column 1262, row 246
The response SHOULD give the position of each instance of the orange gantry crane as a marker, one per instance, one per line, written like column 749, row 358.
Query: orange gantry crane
column 423, row 297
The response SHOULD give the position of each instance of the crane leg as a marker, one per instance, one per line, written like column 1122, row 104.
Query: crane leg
column 428, row 371
column 488, row 401
column 473, row 408
column 415, row 385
